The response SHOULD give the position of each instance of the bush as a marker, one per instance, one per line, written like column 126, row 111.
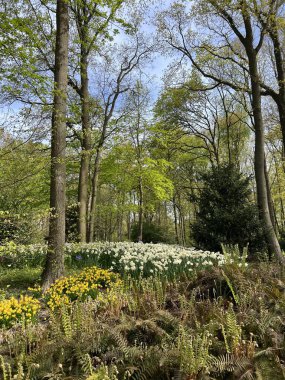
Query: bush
column 226, row 214
column 152, row 233
column 71, row 225
column 8, row 227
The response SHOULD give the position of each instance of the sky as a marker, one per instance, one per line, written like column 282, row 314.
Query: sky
column 153, row 72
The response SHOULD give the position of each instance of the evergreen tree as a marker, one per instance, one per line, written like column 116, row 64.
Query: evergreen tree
column 226, row 214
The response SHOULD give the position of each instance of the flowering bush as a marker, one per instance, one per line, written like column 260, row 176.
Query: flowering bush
column 140, row 259
column 92, row 282
column 16, row 310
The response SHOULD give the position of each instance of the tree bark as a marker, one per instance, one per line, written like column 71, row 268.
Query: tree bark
column 86, row 146
column 83, row 17
column 140, row 223
column 280, row 97
column 175, row 221
column 259, row 158
column 270, row 200
column 94, row 195
column 54, row 266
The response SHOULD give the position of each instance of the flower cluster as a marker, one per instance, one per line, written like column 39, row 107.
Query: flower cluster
column 94, row 283
column 136, row 259
column 140, row 259
column 15, row 310
column 19, row 256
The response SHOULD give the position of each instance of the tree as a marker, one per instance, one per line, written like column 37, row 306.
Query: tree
column 54, row 266
column 129, row 57
column 92, row 22
column 238, row 36
column 226, row 215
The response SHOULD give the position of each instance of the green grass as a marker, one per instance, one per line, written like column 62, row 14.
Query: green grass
column 17, row 281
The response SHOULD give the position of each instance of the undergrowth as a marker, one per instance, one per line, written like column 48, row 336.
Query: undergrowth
column 224, row 324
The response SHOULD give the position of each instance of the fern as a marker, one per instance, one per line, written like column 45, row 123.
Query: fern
column 86, row 364
column 66, row 322
column 234, row 294
column 194, row 352
column 4, row 366
column 222, row 363
column 233, row 256
column 20, row 372
column 231, row 332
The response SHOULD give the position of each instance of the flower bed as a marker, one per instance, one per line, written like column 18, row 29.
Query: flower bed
column 20, row 256
column 15, row 310
column 94, row 283
column 136, row 259
column 139, row 259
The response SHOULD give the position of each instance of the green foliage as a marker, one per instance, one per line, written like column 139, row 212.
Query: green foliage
column 71, row 220
column 152, row 233
column 19, row 256
column 104, row 373
column 194, row 353
column 231, row 332
column 8, row 228
column 158, row 330
column 233, row 255
column 226, row 214
column 24, row 199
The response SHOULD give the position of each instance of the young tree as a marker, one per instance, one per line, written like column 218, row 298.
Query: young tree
column 117, row 81
column 226, row 215
column 54, row 267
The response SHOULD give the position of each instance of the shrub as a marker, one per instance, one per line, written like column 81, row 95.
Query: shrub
column 71, row 225
column 153, row 233
column 226, row 214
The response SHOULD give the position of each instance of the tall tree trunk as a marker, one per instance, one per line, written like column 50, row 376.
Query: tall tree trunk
column 281, row 110
column 175, row 221
column 282, row 211
column 129, row 225
column 279, row 61
column 54, row 266
column 94, row 195
column 270, row 200
column 259, row 160
column 140, row 223
column 86, row 146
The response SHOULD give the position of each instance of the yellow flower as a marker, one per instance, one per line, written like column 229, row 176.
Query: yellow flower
column 81, row 286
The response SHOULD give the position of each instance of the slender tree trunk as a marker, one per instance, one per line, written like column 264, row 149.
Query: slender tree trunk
column 175, row 221
column 281, row 110
column 94, row 194
column 259, row 160
column 129, row 225
column 86, row 146
column 270, row 201
column 140, row 223
column 279, row 61
column 282, row 211
column 54, row 266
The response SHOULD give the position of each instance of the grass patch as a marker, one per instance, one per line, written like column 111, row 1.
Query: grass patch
column 18, row 280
